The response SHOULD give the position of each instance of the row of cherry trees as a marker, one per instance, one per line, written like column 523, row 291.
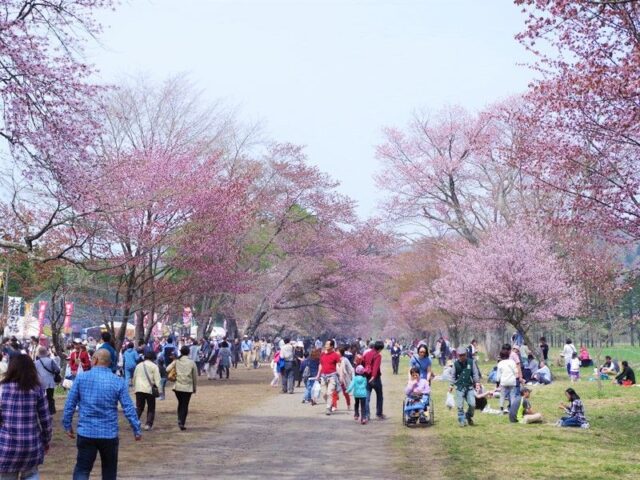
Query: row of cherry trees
column 139, row 199
column 520, row 215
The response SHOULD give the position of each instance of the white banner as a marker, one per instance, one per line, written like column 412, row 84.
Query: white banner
column 14, row 327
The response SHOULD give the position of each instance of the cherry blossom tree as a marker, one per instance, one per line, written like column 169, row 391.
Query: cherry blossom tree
column 49, row 120
column 585, row 109
column 513, row 276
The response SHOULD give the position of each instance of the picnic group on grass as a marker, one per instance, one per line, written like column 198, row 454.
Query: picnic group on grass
column 99, row 380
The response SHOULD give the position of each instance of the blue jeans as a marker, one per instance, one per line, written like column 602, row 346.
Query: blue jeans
column 163, row 385
column 469, row 396
column 307, row 390
column 88, row 448
column 128, row 375
column 570, row 422
column 24, row 475
column 377, row 386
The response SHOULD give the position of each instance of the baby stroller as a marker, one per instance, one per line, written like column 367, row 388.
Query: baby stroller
column 417, row 410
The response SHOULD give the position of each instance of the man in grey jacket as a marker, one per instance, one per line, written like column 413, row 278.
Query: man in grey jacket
column 47, row 370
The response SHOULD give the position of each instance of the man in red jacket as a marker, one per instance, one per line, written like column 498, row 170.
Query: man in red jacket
column 372, row 360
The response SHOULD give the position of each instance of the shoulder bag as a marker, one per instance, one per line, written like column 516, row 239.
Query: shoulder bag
column 172, row 375
column 154, row 388
column 57, row 378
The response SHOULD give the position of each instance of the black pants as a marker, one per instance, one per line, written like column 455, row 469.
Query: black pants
column 183, row 406
column 149, row 400
column 51, row 401
column 395, row 364
column 223, row 369
column 358, row 406
column 88, row 448
column 376, row 386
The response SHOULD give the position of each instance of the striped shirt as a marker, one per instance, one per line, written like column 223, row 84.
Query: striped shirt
column 97, row 393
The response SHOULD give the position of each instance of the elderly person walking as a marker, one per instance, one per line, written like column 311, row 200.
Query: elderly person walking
column 145, row 377
column 97, row 394
column 47, row 370
column 25, row 429
column 185, row 385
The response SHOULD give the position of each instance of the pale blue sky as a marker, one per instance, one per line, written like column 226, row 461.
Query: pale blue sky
column 325, row 73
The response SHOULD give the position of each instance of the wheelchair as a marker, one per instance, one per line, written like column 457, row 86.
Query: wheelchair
column 418, row 411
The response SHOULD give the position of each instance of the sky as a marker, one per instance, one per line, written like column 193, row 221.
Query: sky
column 327, row 74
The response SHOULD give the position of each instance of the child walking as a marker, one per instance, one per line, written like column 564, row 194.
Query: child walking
column 358, row 386
column 574, row 369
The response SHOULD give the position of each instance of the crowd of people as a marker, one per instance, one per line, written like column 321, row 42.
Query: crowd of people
column 100, row 379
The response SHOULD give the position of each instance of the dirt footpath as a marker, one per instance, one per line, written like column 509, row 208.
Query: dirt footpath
column 285, row 439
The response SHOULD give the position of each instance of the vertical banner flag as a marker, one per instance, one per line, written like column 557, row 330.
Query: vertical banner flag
column 42, row 310
column 12, row 328
column 186, row 316
column 68, row 311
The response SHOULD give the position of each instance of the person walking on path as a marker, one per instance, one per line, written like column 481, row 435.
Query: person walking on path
column 145, row 377
column 245, row 346
column 328, row 372
column 358, row 386
column 79, row 359
column 313, row 364
column 25, row 421
column 287, row 354
column 372, row 360
column 97, row 394
column 224, row 359
column 465, row 379
column 185, row 385
column 107, row 344
column 396, row 351
column 345, row 375
column 47, row 370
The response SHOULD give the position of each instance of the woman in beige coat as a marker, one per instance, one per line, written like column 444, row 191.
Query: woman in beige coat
column 185, row 385
column 145, row 375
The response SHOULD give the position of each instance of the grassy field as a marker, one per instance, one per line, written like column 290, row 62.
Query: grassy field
column 495, row 447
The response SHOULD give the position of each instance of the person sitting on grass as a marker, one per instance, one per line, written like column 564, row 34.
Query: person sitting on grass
column 521, row 411
column 542, row 375
column 585, row 358
column 575, row 411
column 608, row 368
column 482, row 395
column 626, row 375
column 530, row 368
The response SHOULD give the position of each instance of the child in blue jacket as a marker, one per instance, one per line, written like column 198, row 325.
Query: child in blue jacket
column 358, row 386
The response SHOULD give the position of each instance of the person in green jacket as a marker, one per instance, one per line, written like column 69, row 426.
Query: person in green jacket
column 465, row 378
column 358, row 386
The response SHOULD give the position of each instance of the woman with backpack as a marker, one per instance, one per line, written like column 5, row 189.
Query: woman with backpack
column 49, row 375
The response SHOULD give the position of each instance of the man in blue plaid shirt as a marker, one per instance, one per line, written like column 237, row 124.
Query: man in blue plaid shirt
column 97, row 393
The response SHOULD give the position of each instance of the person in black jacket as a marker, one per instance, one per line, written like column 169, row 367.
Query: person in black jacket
column 626, row 374
column 396, row 351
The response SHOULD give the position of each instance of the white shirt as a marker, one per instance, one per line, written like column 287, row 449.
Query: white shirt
column 575, row 364
column 507, row 373
column 567, row 352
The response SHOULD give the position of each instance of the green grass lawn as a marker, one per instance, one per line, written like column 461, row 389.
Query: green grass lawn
column 496, row 447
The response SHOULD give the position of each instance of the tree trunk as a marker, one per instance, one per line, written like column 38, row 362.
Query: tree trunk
column 257, row 320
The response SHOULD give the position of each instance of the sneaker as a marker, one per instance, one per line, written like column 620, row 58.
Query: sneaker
column 334, row 409
column 364, row 421
column 381, row 417
column 147, row 428
column 327, row 411
column 462, row 422
column 470, row 422
column 559, row 423
column 356, row 418
column 585, row 425
column 182, row 427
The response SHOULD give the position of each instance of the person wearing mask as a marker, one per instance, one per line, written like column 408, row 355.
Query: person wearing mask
column 145, row 377
column 96, row 395
column 185, row 385
column 465, row 381
column 25, row 429
column 287, row 354
column 372, row 361
column 107, row 344
column 47, row 370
